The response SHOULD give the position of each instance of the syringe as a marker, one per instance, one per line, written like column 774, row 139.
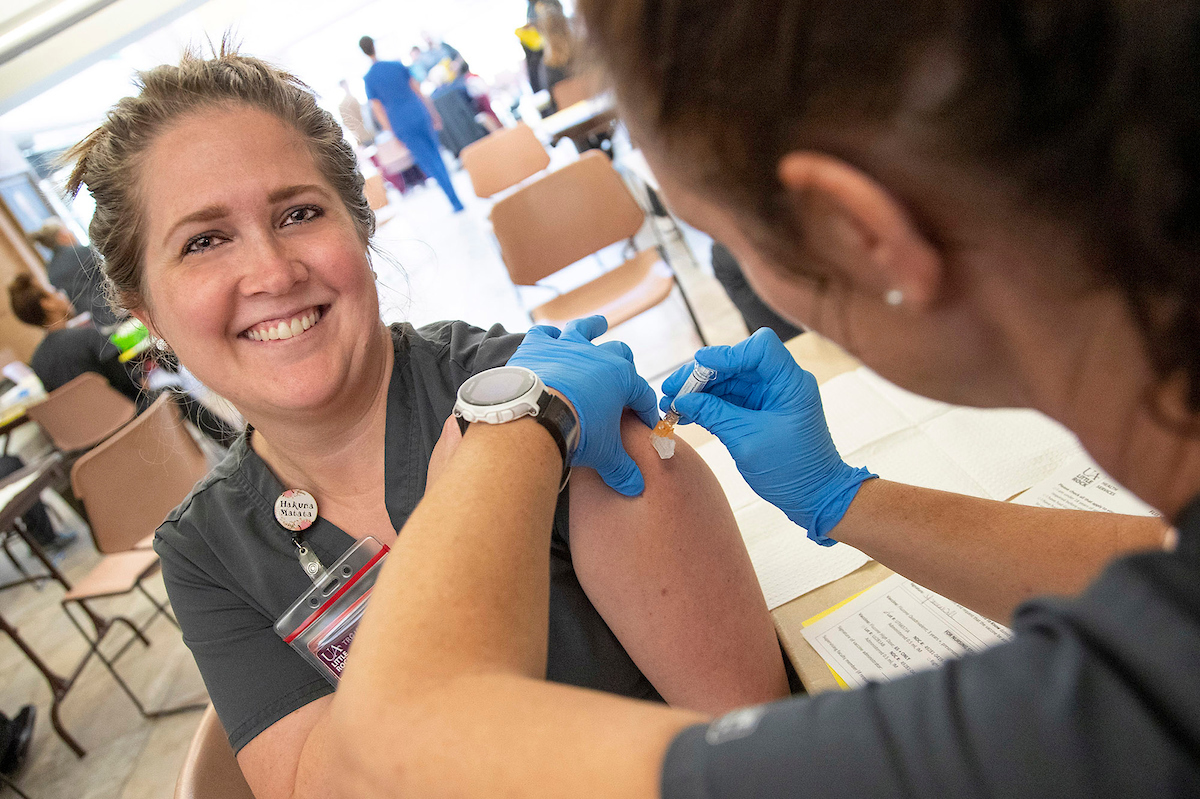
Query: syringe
column 661, row 436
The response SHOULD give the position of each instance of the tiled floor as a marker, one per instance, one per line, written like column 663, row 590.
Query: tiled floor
column 432, row 265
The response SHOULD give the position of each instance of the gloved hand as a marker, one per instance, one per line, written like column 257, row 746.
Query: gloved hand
column 767, row 412
column 600, row 381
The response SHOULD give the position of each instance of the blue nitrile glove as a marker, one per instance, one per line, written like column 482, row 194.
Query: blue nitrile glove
column 767, row 411
column 600, row 381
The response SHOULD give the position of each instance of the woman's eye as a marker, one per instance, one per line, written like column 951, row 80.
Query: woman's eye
column 305, row 214
column 199, row 244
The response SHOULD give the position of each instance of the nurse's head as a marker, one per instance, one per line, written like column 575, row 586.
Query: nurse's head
column 985, row 201
column 230, row 217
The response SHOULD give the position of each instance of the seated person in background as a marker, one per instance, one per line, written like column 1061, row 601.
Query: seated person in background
column 271, row 302
column 67, row 352
column 73, row 269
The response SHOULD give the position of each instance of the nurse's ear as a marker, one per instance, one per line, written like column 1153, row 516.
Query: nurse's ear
column 857, row 226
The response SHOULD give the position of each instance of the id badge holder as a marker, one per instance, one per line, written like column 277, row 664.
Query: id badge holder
column 320, row 625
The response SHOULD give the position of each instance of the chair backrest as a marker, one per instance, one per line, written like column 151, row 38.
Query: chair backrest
column 83, row 412
column 503, row 159
column 565, row 216
column 210, row 770
column 569, row 91
column 132, row 481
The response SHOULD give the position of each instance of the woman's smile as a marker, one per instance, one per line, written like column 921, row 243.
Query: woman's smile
column 287, row 326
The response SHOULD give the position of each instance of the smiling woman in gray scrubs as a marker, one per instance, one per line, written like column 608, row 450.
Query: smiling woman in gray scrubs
column 231, row 220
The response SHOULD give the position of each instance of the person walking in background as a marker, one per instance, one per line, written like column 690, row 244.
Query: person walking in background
column 400, row 107
column 73, row 269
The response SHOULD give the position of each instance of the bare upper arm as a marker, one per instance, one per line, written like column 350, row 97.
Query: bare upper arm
column 271, row 760
column 670, row 574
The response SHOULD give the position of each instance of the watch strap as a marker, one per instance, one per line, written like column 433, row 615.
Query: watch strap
column 556, row 416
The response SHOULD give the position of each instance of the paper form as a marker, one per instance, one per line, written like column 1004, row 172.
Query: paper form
column 992, row 453
column 895, row 629
column 1081, row 485
column 787, row 563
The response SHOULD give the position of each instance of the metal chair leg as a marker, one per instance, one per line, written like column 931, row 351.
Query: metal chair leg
column 11, row 557
column 110, row 663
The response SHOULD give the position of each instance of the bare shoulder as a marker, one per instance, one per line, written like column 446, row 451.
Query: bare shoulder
column 671, row 485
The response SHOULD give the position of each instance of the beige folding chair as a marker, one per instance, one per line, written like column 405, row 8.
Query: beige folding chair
column 210, row 770
column 82, row 413
column 503, row 159
column 133, row 480
column 567, row 216
column 128, row 484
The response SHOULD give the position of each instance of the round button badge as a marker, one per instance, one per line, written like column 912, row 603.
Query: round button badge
column 295, row 509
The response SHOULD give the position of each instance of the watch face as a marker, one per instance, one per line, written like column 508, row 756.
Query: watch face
column 497, row 386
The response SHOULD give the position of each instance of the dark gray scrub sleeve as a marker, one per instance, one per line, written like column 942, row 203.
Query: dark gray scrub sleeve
column 1094, row 697
column 253, row 678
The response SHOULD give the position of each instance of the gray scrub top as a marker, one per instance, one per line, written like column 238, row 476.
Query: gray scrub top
column 231, row 570
column 1095, row 696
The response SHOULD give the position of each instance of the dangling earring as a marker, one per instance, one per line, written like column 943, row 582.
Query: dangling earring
column 894, row 298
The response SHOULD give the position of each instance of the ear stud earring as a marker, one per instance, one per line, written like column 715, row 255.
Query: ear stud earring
column 894, row 297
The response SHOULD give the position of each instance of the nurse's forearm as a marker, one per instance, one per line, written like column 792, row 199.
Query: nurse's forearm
column 988, row 555
column 466, row 585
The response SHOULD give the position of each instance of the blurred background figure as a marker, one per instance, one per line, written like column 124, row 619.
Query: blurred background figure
column 399, row 105
column 15, row 735
column 559, row 45
column 436, row 53
column 532, row 44
column 393, row 160
column 73, row 269
column 466, row 115
column 754, row 311
column 350, row 110
column 70, row 350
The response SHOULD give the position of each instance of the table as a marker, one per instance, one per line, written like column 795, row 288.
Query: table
column 19, row 492
column 578, row 120
column 825, row 360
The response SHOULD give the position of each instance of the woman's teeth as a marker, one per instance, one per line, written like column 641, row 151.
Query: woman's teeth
column 287, row 329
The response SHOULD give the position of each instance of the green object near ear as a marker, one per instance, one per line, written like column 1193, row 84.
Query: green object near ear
column 128, row 335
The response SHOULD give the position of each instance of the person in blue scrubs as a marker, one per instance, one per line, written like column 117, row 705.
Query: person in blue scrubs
column 400, row 107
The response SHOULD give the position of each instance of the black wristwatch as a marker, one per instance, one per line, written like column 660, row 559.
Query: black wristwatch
column 511, row 392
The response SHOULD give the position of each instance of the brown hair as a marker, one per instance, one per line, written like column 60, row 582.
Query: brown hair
column 556, row 33
column 1089, row 108
column 108, row 160
column 25, row 295
column 47, row 234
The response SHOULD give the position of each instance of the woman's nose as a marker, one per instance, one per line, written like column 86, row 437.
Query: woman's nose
column 272, row 268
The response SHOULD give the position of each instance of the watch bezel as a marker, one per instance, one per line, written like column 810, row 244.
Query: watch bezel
column 524, row 404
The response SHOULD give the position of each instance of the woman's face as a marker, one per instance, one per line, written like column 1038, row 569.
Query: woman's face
column 253, row 272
